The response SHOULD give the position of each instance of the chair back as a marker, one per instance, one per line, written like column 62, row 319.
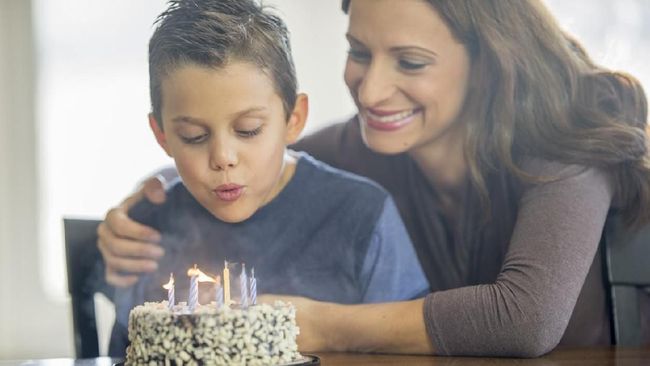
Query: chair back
column 627, row 261
column 85, row 278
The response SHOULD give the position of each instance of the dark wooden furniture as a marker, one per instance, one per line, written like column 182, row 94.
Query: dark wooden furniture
column 627, row 257
column 591, row 356
column 597, row 356
column 85, row 278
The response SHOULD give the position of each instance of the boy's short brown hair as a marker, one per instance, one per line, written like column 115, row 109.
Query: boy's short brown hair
column 213, row 33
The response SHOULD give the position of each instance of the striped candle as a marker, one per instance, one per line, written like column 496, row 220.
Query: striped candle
column 169, row 286
column 243, row 284
column 194, row 288
column 219, row 297
column 253, row 288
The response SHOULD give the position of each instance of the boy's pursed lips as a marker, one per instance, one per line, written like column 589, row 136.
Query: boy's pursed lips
column 229, row 192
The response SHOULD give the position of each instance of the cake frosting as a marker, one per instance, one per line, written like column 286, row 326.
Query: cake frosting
column 257, row 335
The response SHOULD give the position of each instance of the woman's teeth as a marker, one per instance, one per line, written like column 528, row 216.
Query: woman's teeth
column 392, row 117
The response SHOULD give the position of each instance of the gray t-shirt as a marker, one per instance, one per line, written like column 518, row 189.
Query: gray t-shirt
column 329, row 235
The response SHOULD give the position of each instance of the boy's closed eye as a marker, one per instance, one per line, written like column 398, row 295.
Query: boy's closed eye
column 249, row 127
column 193, row 140
column 197, row 137
column 248, row 133
column 192, row 134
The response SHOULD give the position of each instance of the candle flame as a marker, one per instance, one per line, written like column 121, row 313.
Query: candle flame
column 202, row 277
column 169, row 284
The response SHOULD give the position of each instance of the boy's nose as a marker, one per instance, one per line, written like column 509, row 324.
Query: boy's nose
column 222, row 157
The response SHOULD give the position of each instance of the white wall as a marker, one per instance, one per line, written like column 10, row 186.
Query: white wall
column 31, row 324
column 82, row 142
column 89, row 108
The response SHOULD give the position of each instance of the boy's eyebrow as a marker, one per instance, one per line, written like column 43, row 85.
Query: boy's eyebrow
column 188, row 119
column 247, row 111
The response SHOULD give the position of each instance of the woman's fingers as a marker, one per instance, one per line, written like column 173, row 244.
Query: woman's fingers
column 128, row 247
column 124, row 268
column 120, row 280
column 154, row 189
column 127, row 265
column 118, row 224
column 112, row 245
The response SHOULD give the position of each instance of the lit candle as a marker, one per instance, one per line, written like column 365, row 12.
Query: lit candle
column 219, row 294
column 253, row 287
column 169, row 286
column 194, row 287
column 243, row 285
column 226, row 284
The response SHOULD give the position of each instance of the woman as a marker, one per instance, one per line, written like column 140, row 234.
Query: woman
column 504, row 147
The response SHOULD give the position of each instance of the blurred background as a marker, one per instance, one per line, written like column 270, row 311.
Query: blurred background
column 74, row 138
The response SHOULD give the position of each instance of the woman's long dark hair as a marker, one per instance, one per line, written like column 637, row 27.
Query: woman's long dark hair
column 534, row 91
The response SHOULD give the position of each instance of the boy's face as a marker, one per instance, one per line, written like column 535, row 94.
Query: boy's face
column 226, row 130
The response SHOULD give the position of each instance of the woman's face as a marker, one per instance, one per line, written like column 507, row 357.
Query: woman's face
column 406, row 73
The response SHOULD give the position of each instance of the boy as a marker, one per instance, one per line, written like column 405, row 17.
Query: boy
column 224, row 107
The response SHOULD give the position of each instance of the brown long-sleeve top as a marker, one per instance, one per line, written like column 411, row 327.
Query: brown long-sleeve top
column 514, row 285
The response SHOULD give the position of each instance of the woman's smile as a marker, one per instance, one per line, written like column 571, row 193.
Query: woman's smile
column 389, row 120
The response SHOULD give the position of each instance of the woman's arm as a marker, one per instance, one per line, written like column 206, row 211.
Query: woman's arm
column 386, row 328
column 526, row 311
column 396, row 327
column 523, row 314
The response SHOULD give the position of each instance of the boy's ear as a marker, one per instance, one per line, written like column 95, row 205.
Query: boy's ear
column 297, row 118
column 159, row 133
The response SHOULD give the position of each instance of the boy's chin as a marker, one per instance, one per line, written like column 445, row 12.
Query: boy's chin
column 233, row 216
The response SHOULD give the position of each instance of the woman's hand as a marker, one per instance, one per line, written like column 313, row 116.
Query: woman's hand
column 396, row 327
column 308, row 317
column 129, row 248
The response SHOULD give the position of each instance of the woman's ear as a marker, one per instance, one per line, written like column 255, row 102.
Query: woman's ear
column 297, row 119
column 158, row 133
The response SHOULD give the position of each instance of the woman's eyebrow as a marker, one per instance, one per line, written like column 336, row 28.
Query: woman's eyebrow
column 413, row 48
column 355, row 42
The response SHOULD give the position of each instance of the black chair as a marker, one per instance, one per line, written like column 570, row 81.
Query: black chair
column 627, row 262
column 85, row 279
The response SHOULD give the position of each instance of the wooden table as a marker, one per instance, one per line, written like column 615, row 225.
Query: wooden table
column 610, row 356
column 600, row 356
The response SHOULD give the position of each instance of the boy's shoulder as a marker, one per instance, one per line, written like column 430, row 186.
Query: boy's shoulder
column 320, row 180
column 177, row 197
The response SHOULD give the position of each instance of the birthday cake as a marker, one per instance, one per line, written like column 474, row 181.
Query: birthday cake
column 212, row 335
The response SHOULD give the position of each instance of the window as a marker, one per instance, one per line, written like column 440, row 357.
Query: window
column 93, row 99
column 93, row 91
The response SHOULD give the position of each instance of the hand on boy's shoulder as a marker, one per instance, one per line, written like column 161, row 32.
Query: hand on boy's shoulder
column 128, row 248
column 153, row 189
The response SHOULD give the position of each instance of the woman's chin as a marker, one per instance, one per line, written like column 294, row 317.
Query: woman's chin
column 389, row 145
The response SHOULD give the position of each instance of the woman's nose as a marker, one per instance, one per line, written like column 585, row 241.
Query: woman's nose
column 376, row 85
column 222, row 156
